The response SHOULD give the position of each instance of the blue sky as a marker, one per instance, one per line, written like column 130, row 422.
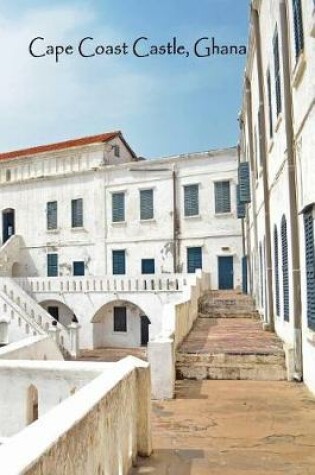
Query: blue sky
column 163, row 105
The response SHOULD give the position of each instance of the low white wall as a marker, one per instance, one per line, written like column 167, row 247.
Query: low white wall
column 54, row 381
column 178, row 320
column 100, row 429
column 33, row 348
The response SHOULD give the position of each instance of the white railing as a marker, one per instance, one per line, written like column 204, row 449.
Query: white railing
column 9, row 254
column 30, row 311
column 151, row 283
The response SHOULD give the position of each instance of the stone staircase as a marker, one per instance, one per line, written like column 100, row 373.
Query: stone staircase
column 27, row 318
column 227, row 342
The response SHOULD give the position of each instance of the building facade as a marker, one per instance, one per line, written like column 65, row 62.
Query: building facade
column 278, row 142
column 90, row 208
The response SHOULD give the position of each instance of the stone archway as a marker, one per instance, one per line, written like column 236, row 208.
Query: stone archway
column 59, row 311
column 120, row 324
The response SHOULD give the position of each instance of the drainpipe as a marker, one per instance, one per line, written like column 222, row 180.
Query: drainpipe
column 263, row 151
column 175, row 222
column 249, row 115
column 292, row 180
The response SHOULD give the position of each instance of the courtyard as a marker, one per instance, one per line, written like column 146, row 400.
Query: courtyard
column 233, row 428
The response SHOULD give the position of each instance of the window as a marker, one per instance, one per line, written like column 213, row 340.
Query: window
column 52, row 265
column 78, row 268
column 54, row 312
column 118, row 207
column 116, row 151
column 298, row 27
column 120, row 319
column 147, row 266
column 276, row 256
column 119, row 262
column 270, row 104
column 191, row 200
column 244, row 182
column 194, row 259
column 8, row 175
column 222, row 194
column 285, row 269
column 77, row 213
column 276, row 56
column 52, row 210
column 146, row 204
column 310, row 267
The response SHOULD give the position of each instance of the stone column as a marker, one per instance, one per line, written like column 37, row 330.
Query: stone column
column 74, row 333
column 4, row 331
column 54, row 332
column 161, row 356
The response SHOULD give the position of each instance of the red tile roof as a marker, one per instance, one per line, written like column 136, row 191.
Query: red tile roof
column 60, row 145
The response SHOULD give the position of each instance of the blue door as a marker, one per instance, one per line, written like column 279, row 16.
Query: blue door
column 226, row 278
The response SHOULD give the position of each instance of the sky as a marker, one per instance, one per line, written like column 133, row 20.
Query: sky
column 164, row 105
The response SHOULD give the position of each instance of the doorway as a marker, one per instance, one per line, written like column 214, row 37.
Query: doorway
column 145, row 322
column 8, row 225
column 226, row 273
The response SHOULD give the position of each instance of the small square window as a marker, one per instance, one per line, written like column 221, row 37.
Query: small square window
column 147, row 266
column 78, row 268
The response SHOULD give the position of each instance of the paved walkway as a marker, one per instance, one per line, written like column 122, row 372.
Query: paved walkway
column 233, row 428
column 230, row 335
column 111, row 354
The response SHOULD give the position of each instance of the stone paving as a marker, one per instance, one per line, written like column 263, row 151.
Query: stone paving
column 111, row 354
column 233, row 428
column 230, row 335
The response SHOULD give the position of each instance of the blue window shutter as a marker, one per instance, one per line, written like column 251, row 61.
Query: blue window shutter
column 77, row 213
column 276, row 56
column 52, row 265
column 298, row 27
column 52, row 215
column 310, row 267
column 244, row 182
column 78, row 268
column 241, row 207
column 118, row 207
column 222, row 194
column 194, row 259
column 285, row 270
column 146, row 204
column 244, row 274
column 276, row 268
column 120, row 319
column 191, row 200
column 119, row 262
column 147, row 266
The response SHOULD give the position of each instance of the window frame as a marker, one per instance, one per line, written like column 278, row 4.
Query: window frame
column 216, row 210
column 190, row 208
column 77, row 220
column 120, row 326
column 50, row 226
column 118, row 218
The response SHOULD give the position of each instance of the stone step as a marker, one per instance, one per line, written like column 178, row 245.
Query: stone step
column 216, row 302
column 257, row 367
column 224, row 313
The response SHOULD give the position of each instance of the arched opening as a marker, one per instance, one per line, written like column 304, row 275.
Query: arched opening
column 59, row 311
column 31, row 404
column 120, row 324
column 8, row 224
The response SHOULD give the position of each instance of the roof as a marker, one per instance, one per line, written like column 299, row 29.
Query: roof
column 93, row 139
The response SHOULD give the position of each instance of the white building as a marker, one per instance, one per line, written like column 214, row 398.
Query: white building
column 278, row 142
column 86, row 219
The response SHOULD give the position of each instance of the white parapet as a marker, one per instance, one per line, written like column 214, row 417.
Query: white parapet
column 101, row 428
